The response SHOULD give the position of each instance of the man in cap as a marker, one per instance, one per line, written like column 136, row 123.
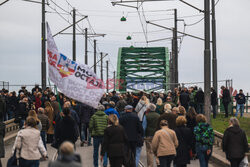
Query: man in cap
column 97, row 125
column 133, row 127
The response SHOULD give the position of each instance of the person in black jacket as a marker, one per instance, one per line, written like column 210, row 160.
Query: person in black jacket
column 234, row 143
column 240, row 99
column 184, row 98
column 226, row 99
column 199, row 98
column 133, row 127
column 66, row 129
column 184, row 136
column 85, row 113
column 214, row 101
column 114, row 142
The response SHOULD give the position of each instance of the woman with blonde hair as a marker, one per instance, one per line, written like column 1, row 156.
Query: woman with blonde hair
column 159, row 106
column 167, row 108
column 49, row 111
column 32, row 113
column 114, row 142
column 141, row 107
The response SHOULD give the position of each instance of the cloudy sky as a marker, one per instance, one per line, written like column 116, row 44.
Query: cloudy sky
column 20, row 36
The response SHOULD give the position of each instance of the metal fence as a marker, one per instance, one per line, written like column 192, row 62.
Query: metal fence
column 4, row 85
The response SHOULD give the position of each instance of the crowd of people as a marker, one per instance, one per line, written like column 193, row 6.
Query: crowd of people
column 171, row 125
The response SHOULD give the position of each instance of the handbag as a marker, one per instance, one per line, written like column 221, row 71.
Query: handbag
column 244, row 162
column 13, row 161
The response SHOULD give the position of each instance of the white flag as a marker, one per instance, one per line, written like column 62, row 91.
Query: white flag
column 76, row 81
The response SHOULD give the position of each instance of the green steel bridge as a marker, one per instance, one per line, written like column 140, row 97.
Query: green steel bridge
column 144, row 69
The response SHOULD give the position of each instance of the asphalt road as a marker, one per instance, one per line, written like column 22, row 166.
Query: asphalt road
column 86, row 155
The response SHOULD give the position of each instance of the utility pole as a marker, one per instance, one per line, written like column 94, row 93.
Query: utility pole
column 86, row 46
column 176, row 76
column 95, row 56
column 101, row 66
column 207, row 59
column 215, row 77
column 107, row 75
column 114, row 80
column 43, row 64
column 171, row 71
column 74, row 35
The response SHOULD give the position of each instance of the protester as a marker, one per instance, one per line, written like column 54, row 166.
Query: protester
column 110, row 110
column 167, row 108
column 226, row 99
column 234, row 143
column 22, row 111
column 73, row 113
column 151, row 118
column 67, row 157
column 2, row 135
column 32, row 113
column 191, row 123
column 121, row 104
column 85, row 113
column 184, row 136
column 240, row 100
column 66, row 129
column 97, row 125
column 28, row 145
column 45, row 124
column 164, row 144
column 214, row 102
column 199, row 98
column 114, row 142
column 182, row 111
column 133, row 128
column 141, row 107
column 159, row 106
column 204, row 136
column 49, row 112
column 184, row 98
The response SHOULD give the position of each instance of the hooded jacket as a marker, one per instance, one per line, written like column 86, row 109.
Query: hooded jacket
column 98, row 123
column 234, row 142
column 112, row 111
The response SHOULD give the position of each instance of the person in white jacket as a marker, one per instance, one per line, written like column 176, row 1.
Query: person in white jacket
column 141, row 107
column 28, row 145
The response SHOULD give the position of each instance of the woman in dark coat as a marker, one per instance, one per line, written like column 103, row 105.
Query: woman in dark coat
column 114, row 142
column 234, row 143
column 184, row 136
column 191, row 123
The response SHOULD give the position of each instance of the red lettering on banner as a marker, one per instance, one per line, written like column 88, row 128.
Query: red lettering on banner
column 52, row 59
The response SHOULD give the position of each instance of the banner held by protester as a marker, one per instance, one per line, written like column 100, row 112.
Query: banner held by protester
column 76, row 81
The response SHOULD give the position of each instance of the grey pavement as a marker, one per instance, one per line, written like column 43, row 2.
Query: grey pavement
column 86, row 155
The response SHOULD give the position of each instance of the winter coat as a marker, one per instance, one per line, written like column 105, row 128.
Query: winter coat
column 98, row 123
column 152, row 118
column 184, row 136
column 85, row 113
column 56, row 107
column 184, row 99
column 44, row 121
column 22, row 110
column 214, row 98
column 204, row 135
column 112, row 111
column 164, row 144
column 50, row 113
column 114, row 98
column 170, row 117
column 66, row 130
column 75, row 116
column 2, row 135
column 67, row 161
column 240, row 98
column 132, row 126
column 226, row 98
column 2, row 106
column 140, row 109
column 29, row 144
column 114, row 141
column 199, row 97
column 234, row 142
column 121, row 105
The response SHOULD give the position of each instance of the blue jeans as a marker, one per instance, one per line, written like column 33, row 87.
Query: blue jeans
column 241, row 108
column 43, row 136
column 21, row 123
column 138, row 155
column 97, row 141
column 28, row 163
column 201, row 152
column 85, row 133
column 10, row 114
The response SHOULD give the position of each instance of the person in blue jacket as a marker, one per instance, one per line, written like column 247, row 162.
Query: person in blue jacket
column 110, row 110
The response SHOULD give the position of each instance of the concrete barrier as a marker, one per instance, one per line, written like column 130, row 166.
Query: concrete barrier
column 11, row 129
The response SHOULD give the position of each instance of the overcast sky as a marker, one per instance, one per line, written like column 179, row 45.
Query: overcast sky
column 20, row 35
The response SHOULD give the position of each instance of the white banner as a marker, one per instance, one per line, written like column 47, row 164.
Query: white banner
column 76, row 81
